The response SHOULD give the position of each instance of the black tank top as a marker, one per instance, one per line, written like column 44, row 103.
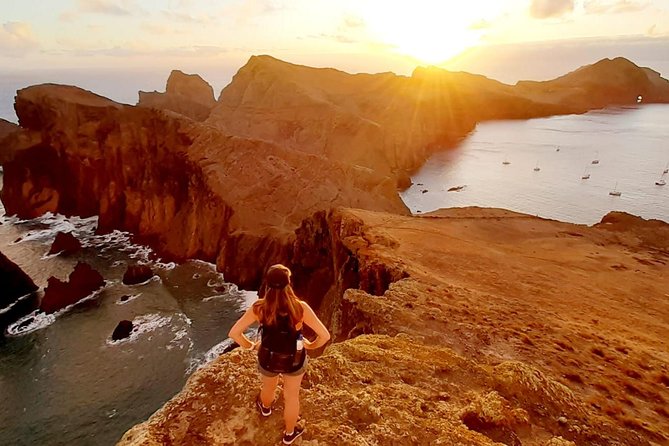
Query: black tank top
column 278, row 347
column 280, row 337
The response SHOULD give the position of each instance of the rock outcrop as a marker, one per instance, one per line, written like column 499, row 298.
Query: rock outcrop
column 393, row 123
column 17, row 287
column 186, row 94
column 83, row 281
column 122, row 330
column 6, row 129
column 465, row 326
column 136, row 274
column 65, row 243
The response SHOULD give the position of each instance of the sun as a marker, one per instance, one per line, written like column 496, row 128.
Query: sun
column 430, row 31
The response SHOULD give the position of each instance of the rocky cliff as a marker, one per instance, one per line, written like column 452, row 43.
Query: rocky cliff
column 466, row 326
column 186, row 94
column 17, row 287
column 393, row 123
column 187, row 189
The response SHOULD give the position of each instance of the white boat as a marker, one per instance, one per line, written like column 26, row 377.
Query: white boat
column 537, row 168
column 615, row 192
column 596, row 160
column 661, row 182
column 666, row 169
column 586, row 175
column 506, row 162
column 557, row 149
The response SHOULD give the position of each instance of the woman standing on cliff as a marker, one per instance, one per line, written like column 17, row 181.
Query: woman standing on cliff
column 281, row 349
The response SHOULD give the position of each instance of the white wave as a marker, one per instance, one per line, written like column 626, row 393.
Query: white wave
column 208, row 265
column 129, row 299
column 143, row 324
column 38, row 320
column 217, row 282
column 10, row 306
column 166, row 266
column 211, row 354
column 31, row 322
column 214, row 297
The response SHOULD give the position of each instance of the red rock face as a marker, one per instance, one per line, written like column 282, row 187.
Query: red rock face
column 65, row 243
column 188, row 190
column 186, row 94
column 15, row 282
column 83, row 281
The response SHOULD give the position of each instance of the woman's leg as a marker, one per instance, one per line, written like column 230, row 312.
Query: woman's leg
column 291, row 397
column 267, row 389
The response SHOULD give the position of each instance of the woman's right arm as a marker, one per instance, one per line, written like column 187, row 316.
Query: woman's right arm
column 312, row 321
column 237, row 330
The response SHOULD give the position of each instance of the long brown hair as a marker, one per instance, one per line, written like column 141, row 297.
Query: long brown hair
column 279, row 298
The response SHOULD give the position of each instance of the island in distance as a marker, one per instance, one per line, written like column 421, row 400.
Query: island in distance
column 467, row 333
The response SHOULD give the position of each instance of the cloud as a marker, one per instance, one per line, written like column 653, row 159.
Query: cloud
column 250, row 9
column 614, row 7
column 184, row 17
column 17, row 39
column 353, row 22
column 481, row 24
column 107, row 7
column 543, row 9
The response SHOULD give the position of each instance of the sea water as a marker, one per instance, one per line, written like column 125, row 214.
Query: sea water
column 630, row 143
column 62, row 379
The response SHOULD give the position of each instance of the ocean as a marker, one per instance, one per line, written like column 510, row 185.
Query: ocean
column 62, row 379
column 631, row 145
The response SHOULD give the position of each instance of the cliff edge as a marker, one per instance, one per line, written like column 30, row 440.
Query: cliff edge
column 465, row 326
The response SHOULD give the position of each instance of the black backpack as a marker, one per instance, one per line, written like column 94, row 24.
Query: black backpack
column 278, row 347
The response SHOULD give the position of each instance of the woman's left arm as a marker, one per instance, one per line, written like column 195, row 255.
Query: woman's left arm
column 237, row 330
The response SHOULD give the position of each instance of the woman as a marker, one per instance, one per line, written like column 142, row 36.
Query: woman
column 281, row 316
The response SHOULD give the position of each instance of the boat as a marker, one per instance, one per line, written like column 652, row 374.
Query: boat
column 661, row 182
column 666, row 169
column 596, row 160
column 615, row 192
column 557, row 149
column 537, row 168
column 586, row 175
column 506, row 163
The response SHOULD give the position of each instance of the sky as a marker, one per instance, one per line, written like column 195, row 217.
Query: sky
column 507, row 40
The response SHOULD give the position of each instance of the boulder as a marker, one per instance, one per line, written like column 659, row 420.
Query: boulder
column 15, row 284
column 58, row 294
column 65, row 243
column 122, row 330
column 136, row 274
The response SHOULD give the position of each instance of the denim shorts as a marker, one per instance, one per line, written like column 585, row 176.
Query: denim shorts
column 298, row 372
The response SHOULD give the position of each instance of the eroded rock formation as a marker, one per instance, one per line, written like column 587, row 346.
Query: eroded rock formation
column 136, row 274
column 58, row 294
column 65, row 243
column 16, row 286
column 187, row 189
column 186, row 94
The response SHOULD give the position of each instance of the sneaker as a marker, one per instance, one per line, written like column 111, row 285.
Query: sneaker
column 264, row 411
column 289, row 438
